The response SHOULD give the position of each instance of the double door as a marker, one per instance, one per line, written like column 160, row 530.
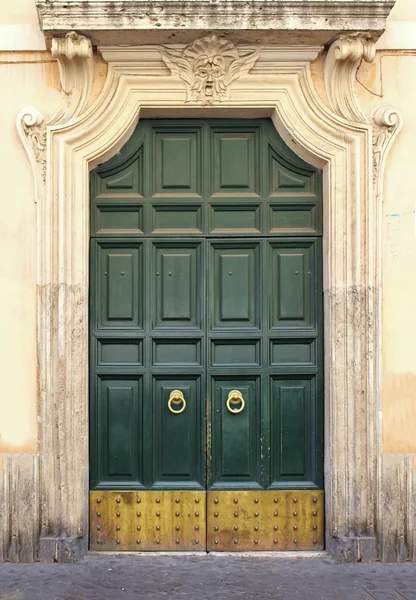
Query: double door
column 206, row 342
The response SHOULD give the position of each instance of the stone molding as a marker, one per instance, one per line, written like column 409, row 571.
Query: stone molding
column 167, row 21
column 387, row 123
column 140, row 85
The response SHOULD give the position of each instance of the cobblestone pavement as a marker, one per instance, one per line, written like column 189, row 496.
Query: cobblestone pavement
column 203, row 577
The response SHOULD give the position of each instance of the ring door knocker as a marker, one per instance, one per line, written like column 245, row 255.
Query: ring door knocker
column 235, row 397
column 176, row 397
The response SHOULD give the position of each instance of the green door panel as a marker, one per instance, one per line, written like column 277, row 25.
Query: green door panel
column 235, row 160
column 292, row 285
column 177, row 437
column 118, row 409
column 177, row 282
column 236, row 444
column 292, row 440
column 234, row 286
column 206, row 278
column 177, row 163
column 119, row 284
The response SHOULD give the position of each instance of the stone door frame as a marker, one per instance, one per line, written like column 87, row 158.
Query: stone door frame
column 276, row 82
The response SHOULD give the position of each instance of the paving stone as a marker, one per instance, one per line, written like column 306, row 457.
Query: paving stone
column 207, row 577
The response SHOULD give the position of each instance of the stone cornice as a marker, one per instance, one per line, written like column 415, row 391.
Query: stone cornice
column 279, row 21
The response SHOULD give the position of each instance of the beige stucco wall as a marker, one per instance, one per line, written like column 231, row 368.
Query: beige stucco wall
column 29, row 74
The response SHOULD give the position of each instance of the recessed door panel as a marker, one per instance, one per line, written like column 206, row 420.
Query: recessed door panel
column 120, row 285
column 292, row 296
column 177, row 436
column 236, row 421
column 119, row 431
column 235, row 272
column 177, row 162
column 292, row 424
column 177, row 284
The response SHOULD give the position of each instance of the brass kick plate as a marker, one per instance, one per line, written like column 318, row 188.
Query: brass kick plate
column 148, row 521
column 265, row 520
column 213, row 521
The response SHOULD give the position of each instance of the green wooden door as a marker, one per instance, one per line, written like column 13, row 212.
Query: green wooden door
column 206, row 336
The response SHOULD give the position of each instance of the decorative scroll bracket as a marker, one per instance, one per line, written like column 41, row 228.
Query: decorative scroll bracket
column 75, row 59
column 208, row 66
column 387, row 123
column 341, row 64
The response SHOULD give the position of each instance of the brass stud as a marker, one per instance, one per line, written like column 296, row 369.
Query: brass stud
column 177, row 527
column 216, row 528
column 196, row 541
column 196, row 527
column 177, row 500
column 177, row 514
column 256, row 528
column 98, row 500
column 295, row 500
column 196, row 500
column 314, row 541
column 276, row 514
column 98, row 514
column 118, row 541
column 256, row 500
column 118, row 527
column 275, row 541
column 235, row 528
column 138, row 527
column 275, row 528
column 197, row 514
column 139, row 500
column 158, row 527
column 216, row 500
column 315, row 527
column 235, row 500
column 158, row 514
column 295, row 527
column 215, row 514
column 295, row 541
column 138, row 541
column 295, row 514
column 158, row 500
column 98, row 542
column 118, row 500
column 276, row 500
column 98, row 528
column 236, row 514
column 139, row 514
column 315, row 513
column 314, row 500
column 177, row 541
column 216, row 541
column 117, row 513
column 157, row 541
column 256, row 514
column 235, row 541
column 256, row 541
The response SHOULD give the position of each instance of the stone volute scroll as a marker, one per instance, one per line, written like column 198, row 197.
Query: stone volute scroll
column 75, row 59
column 208, row 66
column 341, row 64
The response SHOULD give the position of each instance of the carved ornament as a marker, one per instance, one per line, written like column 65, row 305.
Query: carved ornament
column 208, row 66
column 341, row 64
column 75, row 60
column 387, row 122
